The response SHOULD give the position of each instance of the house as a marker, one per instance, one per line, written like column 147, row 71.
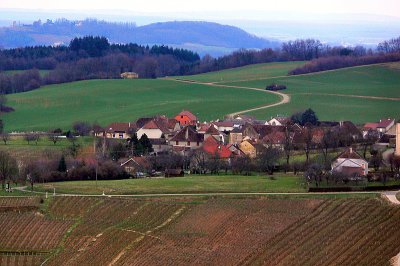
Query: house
column 118, row 131
column 276, row 139
column 186, row 118
column 236, row 136
column 224, row 126
column 251, row 148
column 384, row 125
column 187, row 138
column 368, row 128
column 136, row 166
column 160, row 145
column 158, row 127
column 347, row 128
column 216, row 148
column 129, row 75
column 279, row 121
column 213, row 132
column 350, row 163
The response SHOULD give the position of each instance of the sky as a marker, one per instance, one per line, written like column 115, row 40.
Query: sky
column 227, row 8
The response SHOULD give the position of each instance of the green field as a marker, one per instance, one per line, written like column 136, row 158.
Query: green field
column 19, row 148
column 188, row 184
column 311, row 91
column 258, row 71
column 106, row 101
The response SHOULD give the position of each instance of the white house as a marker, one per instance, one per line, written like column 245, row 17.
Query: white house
column 151, row 129
column 350, row 163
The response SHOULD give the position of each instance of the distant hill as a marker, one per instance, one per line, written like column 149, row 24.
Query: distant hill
column 201, row 37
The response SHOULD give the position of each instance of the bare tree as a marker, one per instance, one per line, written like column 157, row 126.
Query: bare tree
column 5, row 137
column 307, row 141
column 53, row 137
column 8, row 167
column 29, row 137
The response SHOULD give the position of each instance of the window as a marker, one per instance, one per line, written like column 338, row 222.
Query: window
column 113, row 135
column 121, row 135
column 176, row 143
column 198, row 143
column 188, row 143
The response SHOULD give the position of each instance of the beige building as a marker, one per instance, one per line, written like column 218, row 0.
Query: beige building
column 129, row 75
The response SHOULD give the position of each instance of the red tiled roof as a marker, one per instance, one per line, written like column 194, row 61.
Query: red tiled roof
column 275, row 138
column 371, row 125
column 191, row 116
column 118, row 127
column 212, row 130
column 350, row 153
column 212, row 146
column 224, row 124
column 151, row 125
column 188, row 134
column 384, row 123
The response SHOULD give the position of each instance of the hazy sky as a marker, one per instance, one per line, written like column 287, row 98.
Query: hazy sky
column 206, row 7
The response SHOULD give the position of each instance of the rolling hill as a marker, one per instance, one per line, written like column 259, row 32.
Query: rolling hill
column 202, row 37
column 359, row 94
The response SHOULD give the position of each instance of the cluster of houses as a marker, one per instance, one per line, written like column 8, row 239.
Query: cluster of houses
column 242, row 135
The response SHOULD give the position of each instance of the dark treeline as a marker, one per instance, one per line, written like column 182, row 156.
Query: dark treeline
column 89, row 58
column 95, row 58
column 336, row 62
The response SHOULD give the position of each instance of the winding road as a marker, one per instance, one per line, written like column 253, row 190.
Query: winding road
column 285, row 98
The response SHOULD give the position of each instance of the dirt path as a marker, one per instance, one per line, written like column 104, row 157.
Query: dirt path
column 285, row 98
column 391, row 196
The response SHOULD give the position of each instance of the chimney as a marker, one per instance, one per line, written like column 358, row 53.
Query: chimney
column 187, row 133
column 351, row 150
column 129, row 125
column 397, row 152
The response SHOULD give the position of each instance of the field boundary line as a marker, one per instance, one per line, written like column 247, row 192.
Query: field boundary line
column 300, row 75
column 351, row 96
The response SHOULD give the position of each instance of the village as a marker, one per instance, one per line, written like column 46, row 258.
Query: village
column 239, row 142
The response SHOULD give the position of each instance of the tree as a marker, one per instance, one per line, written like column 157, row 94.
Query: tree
column 306, row 117
column 53, row 137
column 146, row 144
column 376, row 159
column 8, row 167
column 82, row 128
column 369, row 139
column 314, row 173
column 267, row 160
column 307, row 141
column 62, row 165
column 29, row 137
column 309, row 117
column 242, row 165
column 288, row 143
column 5, row 137
column 329, row 140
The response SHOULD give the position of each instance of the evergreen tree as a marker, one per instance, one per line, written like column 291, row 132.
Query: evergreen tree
column 309, row 116
column 62, row 165
column 146, row 144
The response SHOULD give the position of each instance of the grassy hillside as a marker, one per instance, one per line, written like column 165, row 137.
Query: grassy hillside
column 108, row 101
column 315, row 91
column 258, row 71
